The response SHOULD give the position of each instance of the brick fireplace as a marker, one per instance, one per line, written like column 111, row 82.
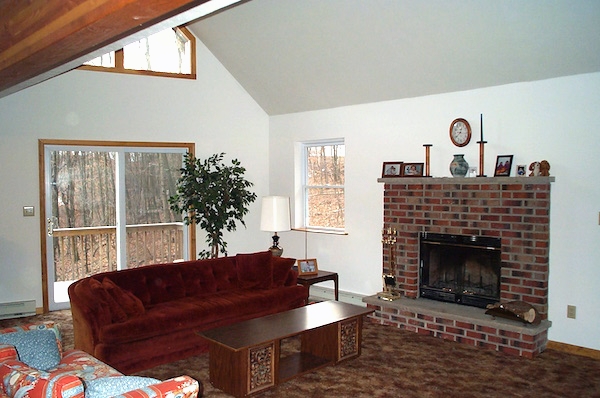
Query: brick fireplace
column 514, row 209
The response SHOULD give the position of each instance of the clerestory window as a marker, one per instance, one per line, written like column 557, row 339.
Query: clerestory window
column 170, row 53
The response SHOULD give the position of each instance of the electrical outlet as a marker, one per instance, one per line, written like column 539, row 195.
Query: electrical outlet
column 571, row 311
column 28, row 211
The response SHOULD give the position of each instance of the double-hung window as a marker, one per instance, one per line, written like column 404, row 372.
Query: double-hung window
column 323, row 185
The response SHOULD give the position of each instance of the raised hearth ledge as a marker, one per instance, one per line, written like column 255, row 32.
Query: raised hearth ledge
column 461, row 313
column 462, row 180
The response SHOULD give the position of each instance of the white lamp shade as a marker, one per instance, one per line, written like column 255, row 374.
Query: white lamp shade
column 275, row 216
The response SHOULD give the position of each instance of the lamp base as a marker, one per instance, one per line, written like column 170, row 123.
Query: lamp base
column 276, row 251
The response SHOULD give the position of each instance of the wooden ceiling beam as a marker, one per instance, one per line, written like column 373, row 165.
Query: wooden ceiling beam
column 37, row 38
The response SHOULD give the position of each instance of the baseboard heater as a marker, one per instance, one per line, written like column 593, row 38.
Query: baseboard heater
column 17, row 309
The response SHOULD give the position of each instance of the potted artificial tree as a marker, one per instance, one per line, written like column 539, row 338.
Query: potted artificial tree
column 212, row 195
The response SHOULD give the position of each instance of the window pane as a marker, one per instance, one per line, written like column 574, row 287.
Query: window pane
column 150, row 179
column 325, row 165
column 106, row 60
column 167, row 51
column 83, row 198
column 154, row 232
column 326, row 207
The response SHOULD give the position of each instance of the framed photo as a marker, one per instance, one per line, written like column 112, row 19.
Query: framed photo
column 308, row 267
column 391, row 169
column 503, row 165
column 412, row 170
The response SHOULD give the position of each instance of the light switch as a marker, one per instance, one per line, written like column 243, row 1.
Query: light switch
column 28, row 211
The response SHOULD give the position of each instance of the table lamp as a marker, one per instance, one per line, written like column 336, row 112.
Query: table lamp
column 275, row 217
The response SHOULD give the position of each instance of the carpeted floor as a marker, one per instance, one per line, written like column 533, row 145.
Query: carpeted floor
column 396, row 363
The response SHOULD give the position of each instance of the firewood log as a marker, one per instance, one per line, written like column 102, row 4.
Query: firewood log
column 518, row 310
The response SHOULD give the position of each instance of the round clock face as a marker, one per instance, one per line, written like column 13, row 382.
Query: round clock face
column 460, row 132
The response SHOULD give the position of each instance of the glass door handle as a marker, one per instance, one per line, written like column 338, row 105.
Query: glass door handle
column 50, row 223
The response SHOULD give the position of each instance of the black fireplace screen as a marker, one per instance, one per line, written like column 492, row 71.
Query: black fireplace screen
column 460, row 268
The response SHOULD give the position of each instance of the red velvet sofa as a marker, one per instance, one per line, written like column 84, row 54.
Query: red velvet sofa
column 139, row 318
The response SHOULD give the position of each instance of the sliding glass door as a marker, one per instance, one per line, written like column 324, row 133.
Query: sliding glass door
column 106, row 208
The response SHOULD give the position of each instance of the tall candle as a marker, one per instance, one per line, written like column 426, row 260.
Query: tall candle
column 481, row 125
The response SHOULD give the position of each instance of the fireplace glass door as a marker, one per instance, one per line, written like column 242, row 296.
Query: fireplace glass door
column 460, row 269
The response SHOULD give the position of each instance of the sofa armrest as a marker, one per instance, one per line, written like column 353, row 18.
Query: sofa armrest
column 20, row 380
column 180, row 387
column 7, row 352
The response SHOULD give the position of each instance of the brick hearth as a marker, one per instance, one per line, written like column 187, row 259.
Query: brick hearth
column 514, row 209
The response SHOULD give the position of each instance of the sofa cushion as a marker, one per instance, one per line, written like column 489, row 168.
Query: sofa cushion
column 255, row 270
column 195, row 313
column 202, row 277
column 44, row 325
column 164, row 283
column 113, row 386
column 116, row 312
column 131, row 305
column 281, row 267
column 36, row 348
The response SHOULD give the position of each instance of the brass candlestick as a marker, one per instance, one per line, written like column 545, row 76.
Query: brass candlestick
column 481, row 145
column 427, row 148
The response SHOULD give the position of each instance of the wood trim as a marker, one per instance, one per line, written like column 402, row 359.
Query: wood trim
column 43, row 246
column 573, row 349
column 42, row 143
column 39, row 37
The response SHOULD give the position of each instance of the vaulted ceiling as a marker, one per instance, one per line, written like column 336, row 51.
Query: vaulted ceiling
column 294, row 56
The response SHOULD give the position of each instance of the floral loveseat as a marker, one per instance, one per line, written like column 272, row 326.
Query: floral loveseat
column 138, row 318
column 33, row 365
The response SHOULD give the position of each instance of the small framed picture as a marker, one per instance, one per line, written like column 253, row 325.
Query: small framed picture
column 391, row 169
column 503, row 165
column 521, row 170
column 412, row 170
column 308, row 267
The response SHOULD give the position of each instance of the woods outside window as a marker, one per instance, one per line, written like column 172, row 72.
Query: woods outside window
column 323, row 185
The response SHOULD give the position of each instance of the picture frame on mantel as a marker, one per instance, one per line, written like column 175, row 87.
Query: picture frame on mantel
column 503, row 165
column 391, row 169
column 412, row 169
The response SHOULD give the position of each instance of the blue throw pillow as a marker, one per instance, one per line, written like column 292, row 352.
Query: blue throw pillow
column 112, row 386
column 36, row 348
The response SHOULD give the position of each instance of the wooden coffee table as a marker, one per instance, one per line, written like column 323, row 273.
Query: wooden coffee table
column 244, row 358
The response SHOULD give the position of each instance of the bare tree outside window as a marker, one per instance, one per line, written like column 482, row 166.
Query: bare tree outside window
column 324, row 186
column 84, row 210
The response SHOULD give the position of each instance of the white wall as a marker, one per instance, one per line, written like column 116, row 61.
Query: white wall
column 212, row 111
column 556, row 120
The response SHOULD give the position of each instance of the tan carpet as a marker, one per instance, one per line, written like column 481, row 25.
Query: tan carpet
column 396, row 363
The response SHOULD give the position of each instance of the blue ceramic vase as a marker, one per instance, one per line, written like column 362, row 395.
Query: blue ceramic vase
column 459, row 166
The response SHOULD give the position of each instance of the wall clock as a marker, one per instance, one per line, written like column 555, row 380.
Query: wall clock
column 460, row 132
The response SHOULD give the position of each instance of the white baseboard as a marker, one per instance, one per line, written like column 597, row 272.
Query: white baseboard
column 325, row 293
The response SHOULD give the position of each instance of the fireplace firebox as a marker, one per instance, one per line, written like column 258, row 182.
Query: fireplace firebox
column 460, row 268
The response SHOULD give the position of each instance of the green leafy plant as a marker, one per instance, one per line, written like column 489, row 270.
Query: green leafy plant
column 212, row 195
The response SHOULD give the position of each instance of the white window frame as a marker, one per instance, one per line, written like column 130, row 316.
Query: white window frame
column 305, row 187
